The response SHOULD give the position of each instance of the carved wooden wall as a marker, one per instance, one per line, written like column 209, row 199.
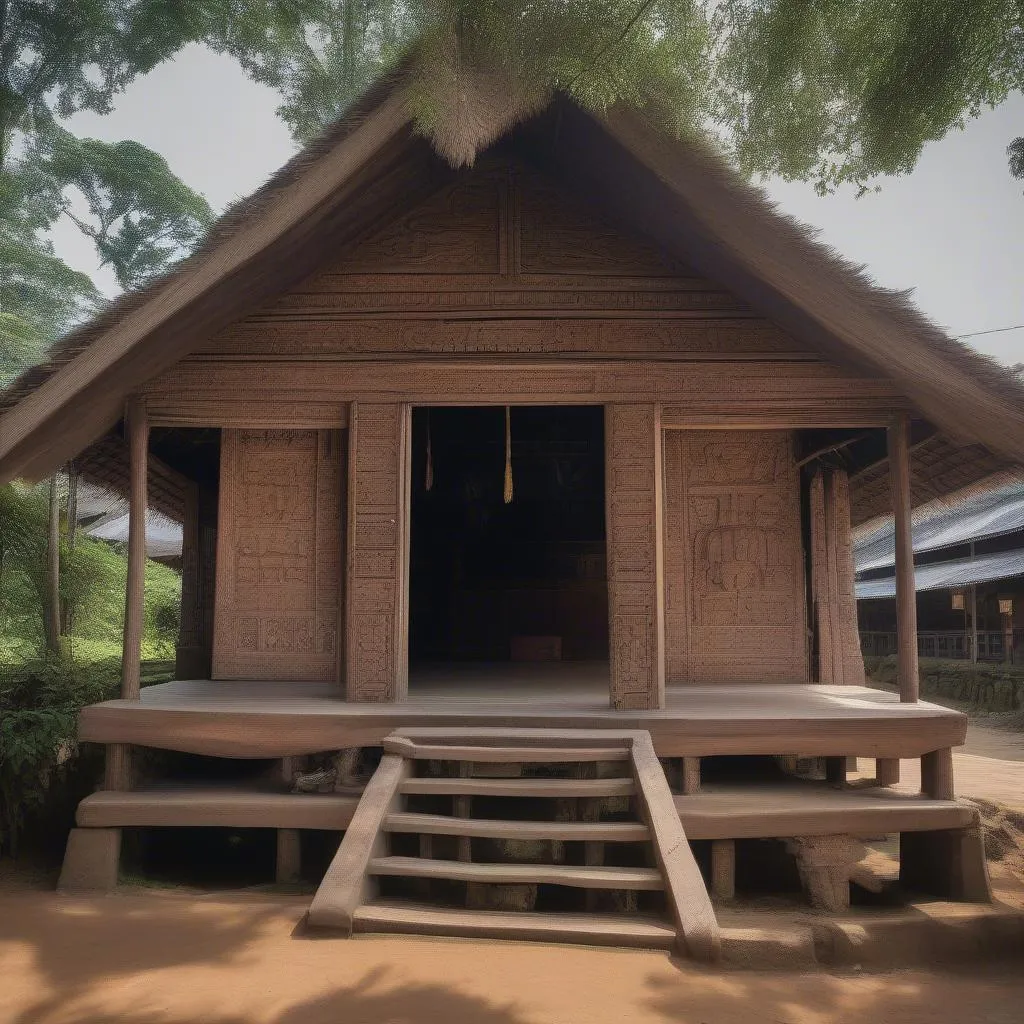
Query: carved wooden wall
column 735, row 604
column 834, row 598
column 377, row 591
column 279, row 544
column 633, row 483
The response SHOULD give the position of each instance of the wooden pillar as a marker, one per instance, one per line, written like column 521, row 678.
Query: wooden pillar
column 634, row 509
column 937, row 774
column 887, row 771
column 118, row 773
column 377, row 561
column 723, row 869
column 289, row 856
column 188, row 634
column 832, row 581
column 835, row 770
column 906, row 592
column 691, row 776
column 134, row 611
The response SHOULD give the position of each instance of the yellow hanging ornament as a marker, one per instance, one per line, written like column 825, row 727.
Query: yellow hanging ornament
column 508, row 455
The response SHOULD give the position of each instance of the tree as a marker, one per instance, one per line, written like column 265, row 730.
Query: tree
column 834, row 91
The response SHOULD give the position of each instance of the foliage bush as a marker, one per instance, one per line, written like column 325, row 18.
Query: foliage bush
column 39, row 705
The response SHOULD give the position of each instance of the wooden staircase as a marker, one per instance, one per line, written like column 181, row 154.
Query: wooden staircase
column 406, row 863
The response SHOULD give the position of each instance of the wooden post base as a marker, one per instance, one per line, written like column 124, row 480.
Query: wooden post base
column 91, row 860
column 289, row 856
column 948, row 863
column 825, row 863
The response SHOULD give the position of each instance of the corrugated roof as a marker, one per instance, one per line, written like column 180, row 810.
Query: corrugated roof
column 959, row 573
column 992, row 514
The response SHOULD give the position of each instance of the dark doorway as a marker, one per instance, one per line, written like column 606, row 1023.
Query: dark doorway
column 522, row 581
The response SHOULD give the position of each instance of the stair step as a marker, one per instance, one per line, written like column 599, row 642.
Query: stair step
column 503, row 755
column 588, row 929
column 520, row 787
column 587, row 831
column 519, row 874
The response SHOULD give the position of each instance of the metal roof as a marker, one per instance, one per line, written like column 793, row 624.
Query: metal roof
column 990, row 514
column 943, row 575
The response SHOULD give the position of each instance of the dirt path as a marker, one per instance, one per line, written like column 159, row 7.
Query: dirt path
column 148, row 957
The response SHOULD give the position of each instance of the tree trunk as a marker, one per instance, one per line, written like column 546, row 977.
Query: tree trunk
column 71, row 526
column 51, row 605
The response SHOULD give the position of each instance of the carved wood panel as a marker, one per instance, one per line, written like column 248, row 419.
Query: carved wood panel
column 457, row 230
column 561, row 235
column 377, row 605
column 697, row 336
column 734, row 570
column 278, row 555
column 633, row 530
column 832, row 581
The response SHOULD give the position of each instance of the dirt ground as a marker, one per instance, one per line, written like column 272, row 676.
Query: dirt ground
column 150, row 956
column 155, row 957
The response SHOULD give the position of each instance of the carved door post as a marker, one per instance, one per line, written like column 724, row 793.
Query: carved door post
column 634, row 496
column 377, row 571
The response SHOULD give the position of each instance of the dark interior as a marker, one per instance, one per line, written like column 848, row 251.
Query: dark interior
column 523, row 581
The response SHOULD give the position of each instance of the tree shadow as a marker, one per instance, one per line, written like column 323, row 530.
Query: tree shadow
column 365, row 1002
column 78, row 941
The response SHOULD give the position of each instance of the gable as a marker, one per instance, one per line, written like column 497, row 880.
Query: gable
column 504, row 260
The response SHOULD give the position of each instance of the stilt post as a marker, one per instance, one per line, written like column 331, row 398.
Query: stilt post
column 138, row 442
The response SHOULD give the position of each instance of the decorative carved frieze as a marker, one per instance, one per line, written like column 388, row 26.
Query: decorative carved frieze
column 278, row 555
column 698, row 337
column 733, row 560
column 633, row 498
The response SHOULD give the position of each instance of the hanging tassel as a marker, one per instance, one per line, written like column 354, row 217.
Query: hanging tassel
column 508, row 455
column 429, row 482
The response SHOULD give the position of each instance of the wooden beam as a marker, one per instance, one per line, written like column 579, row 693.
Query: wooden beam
column 687, row 896
column 138, row 438
column 906, row 589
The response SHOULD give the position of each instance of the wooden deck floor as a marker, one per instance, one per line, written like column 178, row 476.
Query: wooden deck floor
column 276, row 719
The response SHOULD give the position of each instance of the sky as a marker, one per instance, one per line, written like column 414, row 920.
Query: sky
column 953, row 230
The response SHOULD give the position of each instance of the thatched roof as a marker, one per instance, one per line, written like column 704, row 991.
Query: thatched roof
column 678, row 192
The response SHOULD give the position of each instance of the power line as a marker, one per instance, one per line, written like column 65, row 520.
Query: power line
column 994, row 330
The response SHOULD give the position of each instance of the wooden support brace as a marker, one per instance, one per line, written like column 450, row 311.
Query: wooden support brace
column 289, row 856
column 947, row 863
column 937, row 774
column 723, row 869
column 118, row 772
column 691, row 776
column 887, row 771
column 91, row 860
column 835, row 770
